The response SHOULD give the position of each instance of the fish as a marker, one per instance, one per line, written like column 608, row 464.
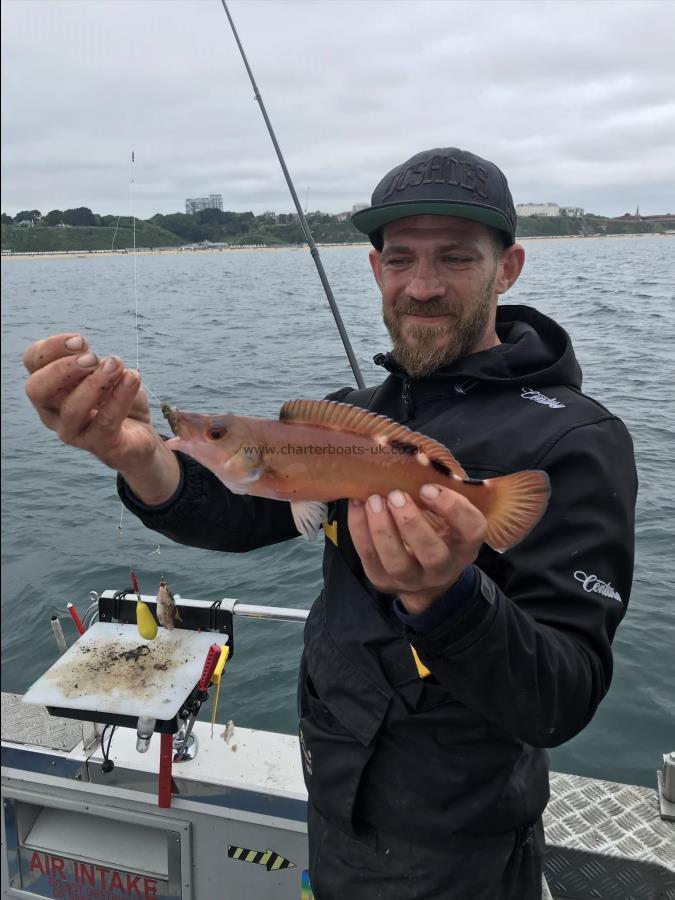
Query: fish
column 167, row 611
column 319, row 451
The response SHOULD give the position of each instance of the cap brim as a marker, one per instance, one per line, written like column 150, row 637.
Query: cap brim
column 368, row 220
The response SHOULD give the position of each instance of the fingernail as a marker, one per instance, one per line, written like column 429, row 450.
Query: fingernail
column 129, row 378
column 110, row 365
column 375, row 503
column 397, row 499
column 429, row 491
column 75, row 343
column 87, row 360
column 356, row 503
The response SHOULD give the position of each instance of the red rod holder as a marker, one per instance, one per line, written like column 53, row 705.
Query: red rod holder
column 165, row 766
column 76, row 619
column 212, row 658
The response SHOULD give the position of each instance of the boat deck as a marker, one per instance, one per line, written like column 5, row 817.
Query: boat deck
column 245, row 790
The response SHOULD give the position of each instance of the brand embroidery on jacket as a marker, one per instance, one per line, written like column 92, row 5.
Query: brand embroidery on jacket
column 551, row 402
column 592, row 585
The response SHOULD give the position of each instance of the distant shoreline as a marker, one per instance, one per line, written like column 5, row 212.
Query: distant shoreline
column 173, row 251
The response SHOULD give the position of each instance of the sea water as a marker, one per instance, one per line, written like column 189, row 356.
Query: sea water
column 245, row 331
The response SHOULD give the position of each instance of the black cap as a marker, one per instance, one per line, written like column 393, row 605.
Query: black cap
column 441, row 182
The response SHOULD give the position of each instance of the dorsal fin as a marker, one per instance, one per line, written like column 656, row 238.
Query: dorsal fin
column 344, row 417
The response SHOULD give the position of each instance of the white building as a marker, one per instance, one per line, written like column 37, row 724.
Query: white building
column 537, row 209
column 572, row 212
column 195, row 204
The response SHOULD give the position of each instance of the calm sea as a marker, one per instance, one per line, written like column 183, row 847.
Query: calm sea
column 245, row 331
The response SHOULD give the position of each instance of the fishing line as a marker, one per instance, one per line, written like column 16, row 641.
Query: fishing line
column 133, row 228
column 145, row 386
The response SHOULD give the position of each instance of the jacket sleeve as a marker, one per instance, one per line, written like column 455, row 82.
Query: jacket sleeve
column 204, row 513
column 533, row 655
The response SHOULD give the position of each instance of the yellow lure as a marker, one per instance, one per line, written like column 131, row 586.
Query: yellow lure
column 145, row 622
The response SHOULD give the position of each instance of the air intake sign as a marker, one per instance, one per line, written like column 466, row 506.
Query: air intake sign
column 49, row 875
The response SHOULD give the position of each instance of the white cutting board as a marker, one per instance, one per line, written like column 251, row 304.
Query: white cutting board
column 94, row 675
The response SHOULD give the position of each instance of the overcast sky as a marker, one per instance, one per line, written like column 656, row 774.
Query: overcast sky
column 575, row 101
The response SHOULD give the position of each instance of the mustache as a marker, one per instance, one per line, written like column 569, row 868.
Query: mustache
column 407, row 307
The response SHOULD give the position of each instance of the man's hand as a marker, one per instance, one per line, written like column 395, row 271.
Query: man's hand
column 404, row 554
column 98, row 406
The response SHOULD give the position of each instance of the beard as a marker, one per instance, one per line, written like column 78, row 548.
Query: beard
column 419, row 348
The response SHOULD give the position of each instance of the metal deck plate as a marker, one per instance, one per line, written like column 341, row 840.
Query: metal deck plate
column 607, row 840
column 608, row 818
column 25, row 723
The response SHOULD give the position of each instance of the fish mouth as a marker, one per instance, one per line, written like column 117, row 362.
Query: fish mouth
column 184, row 425
column 171, row 414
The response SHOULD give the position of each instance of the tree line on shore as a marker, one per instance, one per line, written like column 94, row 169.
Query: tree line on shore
column 82, row 229
column 208, row 225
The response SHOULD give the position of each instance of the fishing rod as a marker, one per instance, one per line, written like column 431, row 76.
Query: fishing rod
column 303, row 221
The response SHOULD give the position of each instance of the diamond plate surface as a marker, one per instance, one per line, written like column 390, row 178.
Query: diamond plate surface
column 607, row 841
column 24, row 723
column 609, row 819
column 578, row 875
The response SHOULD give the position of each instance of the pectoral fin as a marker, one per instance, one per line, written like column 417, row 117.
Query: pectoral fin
column 308, row 516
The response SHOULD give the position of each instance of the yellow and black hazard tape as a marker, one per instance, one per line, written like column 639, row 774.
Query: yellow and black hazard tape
column 268, row 858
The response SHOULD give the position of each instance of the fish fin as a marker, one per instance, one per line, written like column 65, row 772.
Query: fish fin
column 519, row 501
column 344, row 417
column 308, row 516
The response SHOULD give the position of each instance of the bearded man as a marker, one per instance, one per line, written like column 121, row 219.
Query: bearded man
column 435, row 671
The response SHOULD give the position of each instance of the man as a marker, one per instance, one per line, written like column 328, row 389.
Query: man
column 435, row 671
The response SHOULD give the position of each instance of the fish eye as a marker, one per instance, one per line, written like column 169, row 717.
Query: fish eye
column 216, row 433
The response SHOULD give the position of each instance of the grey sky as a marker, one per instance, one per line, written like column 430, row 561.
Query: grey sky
column 573, row 100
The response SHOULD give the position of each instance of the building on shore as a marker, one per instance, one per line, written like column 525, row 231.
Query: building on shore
column 661, row 219
column 572, row 212
column 196, row 204
column 658, row 219
column 523, row 210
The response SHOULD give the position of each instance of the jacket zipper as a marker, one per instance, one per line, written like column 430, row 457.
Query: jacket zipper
column 405, row 396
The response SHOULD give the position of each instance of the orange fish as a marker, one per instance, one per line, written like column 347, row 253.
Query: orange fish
column 319, row 450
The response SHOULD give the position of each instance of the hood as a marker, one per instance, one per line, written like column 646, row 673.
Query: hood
column 533, row 347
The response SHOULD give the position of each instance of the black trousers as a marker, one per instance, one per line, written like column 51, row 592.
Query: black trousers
column 473, row 867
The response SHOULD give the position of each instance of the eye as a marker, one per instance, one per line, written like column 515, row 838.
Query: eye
column 216, row 433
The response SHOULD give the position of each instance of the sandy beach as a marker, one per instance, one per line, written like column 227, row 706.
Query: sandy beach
column 291, row 248
column 172, row 251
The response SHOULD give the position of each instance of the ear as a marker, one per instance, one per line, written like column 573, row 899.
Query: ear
column 375, row 260
column 510, row 266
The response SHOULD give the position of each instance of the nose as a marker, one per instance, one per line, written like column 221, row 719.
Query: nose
column 425, row 284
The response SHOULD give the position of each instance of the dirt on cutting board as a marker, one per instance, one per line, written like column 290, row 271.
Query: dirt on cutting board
column 114, row 666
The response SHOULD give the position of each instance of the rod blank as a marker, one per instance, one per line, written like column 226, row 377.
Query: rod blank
column 303, row 221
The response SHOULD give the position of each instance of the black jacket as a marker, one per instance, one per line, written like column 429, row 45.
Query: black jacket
column 521, row 666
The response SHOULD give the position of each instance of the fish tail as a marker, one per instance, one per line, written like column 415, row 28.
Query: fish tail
column 519, row 501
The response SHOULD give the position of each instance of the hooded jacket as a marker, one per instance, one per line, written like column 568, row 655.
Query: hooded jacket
column 429, row 734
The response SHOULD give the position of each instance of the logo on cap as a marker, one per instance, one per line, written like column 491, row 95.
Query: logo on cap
column 440, row 170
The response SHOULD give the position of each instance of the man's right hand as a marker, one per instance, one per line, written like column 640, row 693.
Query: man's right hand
column 98, row 406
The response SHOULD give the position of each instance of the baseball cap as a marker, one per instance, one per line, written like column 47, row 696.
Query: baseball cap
column 441, row 182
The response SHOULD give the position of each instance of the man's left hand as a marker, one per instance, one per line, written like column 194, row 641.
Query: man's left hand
column 404, row 554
